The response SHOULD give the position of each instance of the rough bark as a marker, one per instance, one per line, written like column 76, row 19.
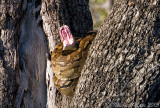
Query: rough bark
column 26, row 42
column 123, row 65
column 8, row 51
column 55, row 13
column 23, row 56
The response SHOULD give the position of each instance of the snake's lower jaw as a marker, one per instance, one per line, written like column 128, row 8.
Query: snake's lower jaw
column 72, row 47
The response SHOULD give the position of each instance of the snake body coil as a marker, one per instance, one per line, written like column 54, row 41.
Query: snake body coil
column 67, row 64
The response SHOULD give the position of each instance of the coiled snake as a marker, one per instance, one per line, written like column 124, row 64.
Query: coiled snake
column 68, row 59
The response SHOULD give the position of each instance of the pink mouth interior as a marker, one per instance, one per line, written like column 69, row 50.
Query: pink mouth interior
column 66, row 36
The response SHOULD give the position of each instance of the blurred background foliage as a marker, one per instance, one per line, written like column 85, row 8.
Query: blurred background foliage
column 99, row 10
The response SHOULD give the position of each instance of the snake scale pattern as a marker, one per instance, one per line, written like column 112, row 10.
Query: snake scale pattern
column 68, row 59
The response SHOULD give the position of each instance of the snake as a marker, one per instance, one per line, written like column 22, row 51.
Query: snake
column 68, row 58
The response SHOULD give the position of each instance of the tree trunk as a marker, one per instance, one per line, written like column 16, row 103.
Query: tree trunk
column 26, row 37
column 8, row 52
column 123, row 64
column 55, row 13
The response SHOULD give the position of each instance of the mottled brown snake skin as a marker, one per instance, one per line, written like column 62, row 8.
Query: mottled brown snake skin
column 67, row 65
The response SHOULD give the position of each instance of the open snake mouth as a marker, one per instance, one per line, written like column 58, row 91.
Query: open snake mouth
column 67, row 38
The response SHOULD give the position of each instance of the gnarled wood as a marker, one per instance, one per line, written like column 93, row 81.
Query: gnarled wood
column 23, row 38
column 23, row 56
column 8, row 51
column 123, row 67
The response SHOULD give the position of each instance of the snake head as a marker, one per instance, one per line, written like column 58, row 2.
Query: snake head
column 67, row 38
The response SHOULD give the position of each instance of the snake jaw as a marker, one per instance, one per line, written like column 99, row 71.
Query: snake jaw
column 68, row 41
